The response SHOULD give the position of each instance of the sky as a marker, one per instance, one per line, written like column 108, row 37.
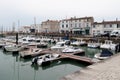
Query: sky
column 24, row 11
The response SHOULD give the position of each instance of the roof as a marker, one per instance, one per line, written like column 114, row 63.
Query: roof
column 74, row 18
column 50, row 21
column 108, row 22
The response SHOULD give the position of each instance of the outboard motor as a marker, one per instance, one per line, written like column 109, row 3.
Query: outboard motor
column 34, row 61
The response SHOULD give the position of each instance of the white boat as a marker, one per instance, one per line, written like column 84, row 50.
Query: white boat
column 98, row 56
column 26, row 40
column 79, row 43
column 45, row 39
column 59, row 45
column 82, row 42
column 2, row 44
column 75, row 43
column 72, row 50
column 108, row 45
column 93, row 45
column 44, row 59
column 14, row 47
column 38, row 60
column 104, row 54
column 42, row 45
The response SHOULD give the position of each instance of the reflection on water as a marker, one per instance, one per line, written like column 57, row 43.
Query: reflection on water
column 90, row 52
column 15, row 68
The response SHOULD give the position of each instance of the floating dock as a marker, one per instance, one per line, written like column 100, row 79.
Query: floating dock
column 79, row 58
column 73, row 56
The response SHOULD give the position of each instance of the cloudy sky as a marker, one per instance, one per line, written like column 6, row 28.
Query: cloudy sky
column 25, row 10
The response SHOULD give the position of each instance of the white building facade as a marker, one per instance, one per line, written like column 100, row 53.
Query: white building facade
column 105, row 27
column 75, row 25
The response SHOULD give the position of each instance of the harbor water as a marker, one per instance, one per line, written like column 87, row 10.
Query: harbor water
column 12, row 67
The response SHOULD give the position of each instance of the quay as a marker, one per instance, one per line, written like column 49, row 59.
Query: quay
column 108, row 69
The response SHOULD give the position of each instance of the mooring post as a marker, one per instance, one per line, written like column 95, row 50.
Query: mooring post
column 16, row 38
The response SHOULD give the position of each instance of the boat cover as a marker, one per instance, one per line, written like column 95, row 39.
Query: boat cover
column 106, row 53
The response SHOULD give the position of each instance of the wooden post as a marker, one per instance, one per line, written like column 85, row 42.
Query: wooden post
column 16, row 38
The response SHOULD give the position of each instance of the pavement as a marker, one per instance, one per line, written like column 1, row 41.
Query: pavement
column 108, row 69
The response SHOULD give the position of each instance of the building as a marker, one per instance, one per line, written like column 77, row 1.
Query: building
column 77, row 25
column 105, row 27
column 25, row 29
column 35, row 28
column 50, row 26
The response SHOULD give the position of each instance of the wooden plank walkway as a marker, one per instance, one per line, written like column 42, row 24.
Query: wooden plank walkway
column 62, row 55
column 71, row 56
column 79, row 58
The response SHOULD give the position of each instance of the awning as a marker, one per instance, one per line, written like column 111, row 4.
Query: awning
column 87, row 28
column 77, row 29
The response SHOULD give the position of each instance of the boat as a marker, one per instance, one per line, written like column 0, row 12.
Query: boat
column 75, row 43
column 108, row 45
column 26, row 40
column 53, row 41
column 59, row 45
column 44, row 59
column 79, row 43
column 104, row 54
column 82, row 43
column 42, row 45
column 72, row 50
column 13, row 47
column 93, row 45
column 2, row 44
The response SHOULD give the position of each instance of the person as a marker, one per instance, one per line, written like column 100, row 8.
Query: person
column 119, row 47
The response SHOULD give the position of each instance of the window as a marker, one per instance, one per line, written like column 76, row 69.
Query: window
column 104, row 26
column 62, row 26
column 110, row 25
column 79, row 25
column 86, row 24
column 93, row 26
column 118, row 25
column 66, row 25
column 75, row 25
column 71, row 25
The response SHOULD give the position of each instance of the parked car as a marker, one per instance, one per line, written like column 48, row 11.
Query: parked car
column 115, row 33
column 105, row 34
column 97, row 35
